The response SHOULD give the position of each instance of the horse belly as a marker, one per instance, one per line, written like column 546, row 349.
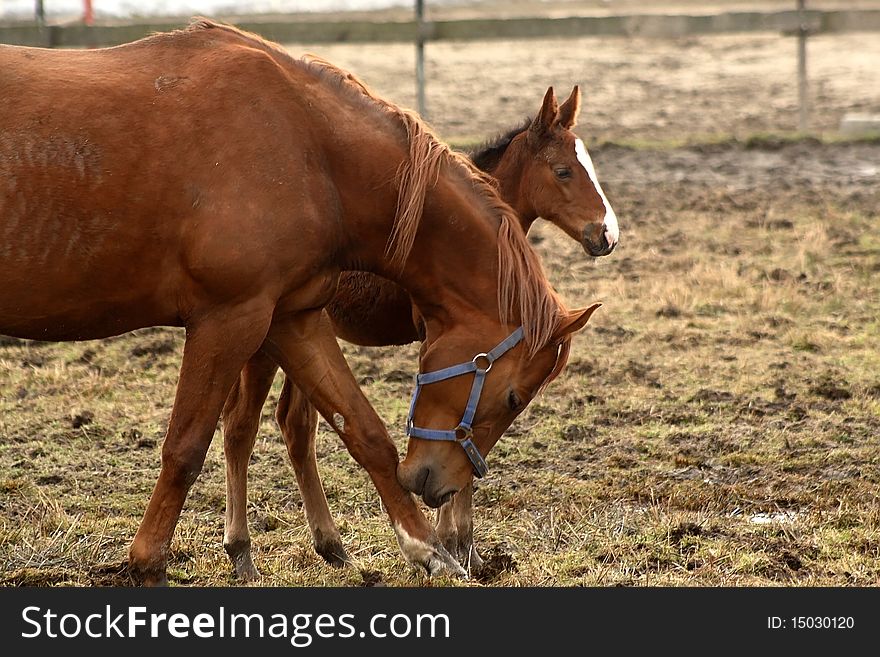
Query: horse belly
column 70, row 268
column 371, row 311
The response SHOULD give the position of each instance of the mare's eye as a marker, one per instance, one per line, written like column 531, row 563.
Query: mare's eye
column 563, row 173
column 513, row 401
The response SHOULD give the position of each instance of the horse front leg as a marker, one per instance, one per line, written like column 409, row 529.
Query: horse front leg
column 217, row 346
column 306, row 347
column 241, row 421
column 299, row 423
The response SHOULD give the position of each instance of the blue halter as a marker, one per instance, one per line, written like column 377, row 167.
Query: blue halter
column 465, row 426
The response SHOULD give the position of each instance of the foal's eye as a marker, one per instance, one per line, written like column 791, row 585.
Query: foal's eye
column 513, row 401
column 562, row 173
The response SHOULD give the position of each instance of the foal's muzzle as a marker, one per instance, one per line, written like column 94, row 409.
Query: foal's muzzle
column 601, row 248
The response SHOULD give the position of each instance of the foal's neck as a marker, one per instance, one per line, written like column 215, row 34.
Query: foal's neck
column 508, row 171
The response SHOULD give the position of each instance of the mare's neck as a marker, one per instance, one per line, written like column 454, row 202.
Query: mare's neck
column 452, row 271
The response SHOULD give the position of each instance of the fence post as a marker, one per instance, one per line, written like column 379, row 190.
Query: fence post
column 40, row 13
column 420, row 57
column 803, row 100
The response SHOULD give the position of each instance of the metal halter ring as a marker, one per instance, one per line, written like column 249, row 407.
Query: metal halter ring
column 484, row 357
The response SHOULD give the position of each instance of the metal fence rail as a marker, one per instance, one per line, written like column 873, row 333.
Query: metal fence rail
column 643, row 25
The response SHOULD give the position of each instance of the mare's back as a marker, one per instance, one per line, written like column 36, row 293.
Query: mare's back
column 124, row 170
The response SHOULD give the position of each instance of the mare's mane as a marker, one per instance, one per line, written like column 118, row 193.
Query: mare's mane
column 522, row 287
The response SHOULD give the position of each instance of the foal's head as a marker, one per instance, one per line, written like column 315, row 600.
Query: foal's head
column 555, row 178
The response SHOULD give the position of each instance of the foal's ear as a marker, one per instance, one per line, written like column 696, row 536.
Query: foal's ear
column 574, row 322
column 568, row 112
column 547, row 116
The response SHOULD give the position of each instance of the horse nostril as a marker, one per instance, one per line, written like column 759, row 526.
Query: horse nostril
column 414, row 480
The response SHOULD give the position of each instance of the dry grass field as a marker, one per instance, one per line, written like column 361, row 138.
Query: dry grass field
column 717, row 423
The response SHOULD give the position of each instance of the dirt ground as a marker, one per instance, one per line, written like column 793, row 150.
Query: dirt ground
column 716, row 425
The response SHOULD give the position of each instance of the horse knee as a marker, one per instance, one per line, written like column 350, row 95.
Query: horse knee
column 374, row 450
column 182, row 464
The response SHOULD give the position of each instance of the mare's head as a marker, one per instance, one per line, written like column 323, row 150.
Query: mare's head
column 451, row 427
column 545, row 171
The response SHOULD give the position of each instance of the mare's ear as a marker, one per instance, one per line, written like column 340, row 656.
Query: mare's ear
column 568, row 112
column 574, row 322
column 548, row 115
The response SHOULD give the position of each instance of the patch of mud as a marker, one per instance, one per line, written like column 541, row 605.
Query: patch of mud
column 614, row 334
column 110, row 574
column 81, row 419
column 496, row 561
column 828, row 388
column 370, row 578
column 715, row 396
column 154, row 348
column 804, row 167
column 398, row 376
column 684, row 529
column 578, row 432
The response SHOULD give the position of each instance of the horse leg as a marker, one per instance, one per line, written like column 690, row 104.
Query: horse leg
column 463, row 517
column 446, row 530
column 299, row 423
column 306, row 347
column 241, row 420
column 216, row 348
column 455, row 527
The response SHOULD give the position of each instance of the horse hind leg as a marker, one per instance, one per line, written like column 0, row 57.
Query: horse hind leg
column 299, row 423
column 217, row 346
column 241, row 421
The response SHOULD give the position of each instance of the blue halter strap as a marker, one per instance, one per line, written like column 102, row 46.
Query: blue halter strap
column 480, row 366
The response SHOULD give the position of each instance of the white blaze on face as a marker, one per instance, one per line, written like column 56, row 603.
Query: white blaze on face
column 612, row 232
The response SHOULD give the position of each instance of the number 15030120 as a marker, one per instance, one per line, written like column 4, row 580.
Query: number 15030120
column 810, row 623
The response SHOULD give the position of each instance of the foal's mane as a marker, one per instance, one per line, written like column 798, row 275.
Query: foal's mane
column 522, row 287
column 487, row 155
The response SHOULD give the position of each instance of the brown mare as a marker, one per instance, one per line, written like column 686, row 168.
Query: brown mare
column 541, row 172
column 204, row 178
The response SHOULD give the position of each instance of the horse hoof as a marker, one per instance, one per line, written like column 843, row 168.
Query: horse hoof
column 443, row 563
column 333, row 553
column 147, row 577
column 246, row 571
column 469, row 556
column 240, row 555
column 430, row 554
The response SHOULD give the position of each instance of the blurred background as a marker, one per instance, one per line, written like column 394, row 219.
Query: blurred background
column 717, row 423
column 668, row 69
